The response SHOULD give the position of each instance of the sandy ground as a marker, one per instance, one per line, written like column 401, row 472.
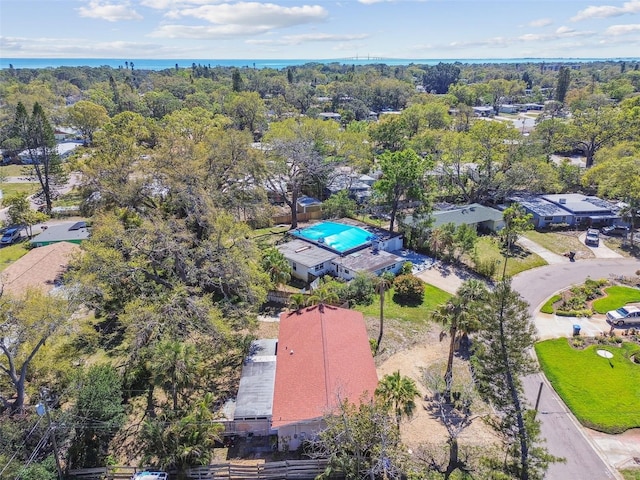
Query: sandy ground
column 423, row 427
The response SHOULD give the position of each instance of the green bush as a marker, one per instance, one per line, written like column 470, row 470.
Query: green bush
column 548, row 306
column 407, row 268
column 486, row 268
column 586, row 312
column 408, row 289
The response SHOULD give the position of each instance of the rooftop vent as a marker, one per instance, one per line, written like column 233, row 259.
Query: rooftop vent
column 562, row 201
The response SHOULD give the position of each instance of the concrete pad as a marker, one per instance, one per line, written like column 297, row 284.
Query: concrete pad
column 549, row 257
column 622, row 450
column 601, row 251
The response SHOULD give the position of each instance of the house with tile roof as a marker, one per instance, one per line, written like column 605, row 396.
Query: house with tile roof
column 323, row 357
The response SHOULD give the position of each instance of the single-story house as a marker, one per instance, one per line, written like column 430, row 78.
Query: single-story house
column 368, row 260
column 323, row 357
column 253, row 405
column 40, row 268
column 330, row 116
column 73, row 232
column 63, row 149
column 570, row 209
column 508, row 108
column 476, row 215
column 307, row 261
column 345, row 251
column 485, row 111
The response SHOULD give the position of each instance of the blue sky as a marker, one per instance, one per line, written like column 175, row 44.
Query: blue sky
column 319, row 29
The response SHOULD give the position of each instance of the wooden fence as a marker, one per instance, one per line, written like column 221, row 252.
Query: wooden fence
column 289, row 469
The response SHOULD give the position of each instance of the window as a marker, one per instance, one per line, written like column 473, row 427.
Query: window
column 548, row 219
column 319, row 267
column 294, row 265
column 346, row 271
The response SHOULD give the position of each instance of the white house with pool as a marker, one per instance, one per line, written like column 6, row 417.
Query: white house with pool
column 341, row 250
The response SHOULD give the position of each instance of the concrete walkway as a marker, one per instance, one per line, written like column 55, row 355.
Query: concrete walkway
column 601, row 251
column 549, row 257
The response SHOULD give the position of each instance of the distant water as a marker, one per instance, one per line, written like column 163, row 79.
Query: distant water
column 278, row 64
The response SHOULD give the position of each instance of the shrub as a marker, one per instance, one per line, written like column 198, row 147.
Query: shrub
column 548, row 306
column 486, row 268
column 586, row 312
column 361, row 290
column 407, row 268
column 408, row 289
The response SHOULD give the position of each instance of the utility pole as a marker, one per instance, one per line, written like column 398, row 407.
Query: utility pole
column 43, row 409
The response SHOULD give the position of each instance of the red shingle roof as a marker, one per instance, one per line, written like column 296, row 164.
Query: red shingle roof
column 323, row 357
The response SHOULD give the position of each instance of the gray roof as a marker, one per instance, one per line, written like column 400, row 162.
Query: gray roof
column 255, row 393
column 368, row 260
column 541, row 207
column 61, row 233
column 578, row 203
column 305, row 253
column 468, row 215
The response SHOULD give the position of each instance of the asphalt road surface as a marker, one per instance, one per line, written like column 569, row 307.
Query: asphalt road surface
column 564, row 436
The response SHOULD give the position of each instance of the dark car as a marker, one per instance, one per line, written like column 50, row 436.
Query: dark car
column 10, row 235
column 615, row 230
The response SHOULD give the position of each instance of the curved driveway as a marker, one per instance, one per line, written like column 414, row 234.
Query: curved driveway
column 564, row 437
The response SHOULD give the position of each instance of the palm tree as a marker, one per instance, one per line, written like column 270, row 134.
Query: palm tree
column 325, row 294
column 397, row 393
column 174, row 366
column 297, row 301
column 383, row 284
column 277, row 266
column 436, row 241
column 460, row 317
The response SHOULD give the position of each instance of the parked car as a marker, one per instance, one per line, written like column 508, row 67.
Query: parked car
column 624, row 315
column 10, row 235
column 593, row 237
column 615, row 230
column 150, row 475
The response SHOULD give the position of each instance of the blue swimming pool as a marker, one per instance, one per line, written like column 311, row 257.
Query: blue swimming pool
column 336, row 236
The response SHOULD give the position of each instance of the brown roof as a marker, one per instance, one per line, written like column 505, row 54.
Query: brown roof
column 323, row 357
column 38, row 269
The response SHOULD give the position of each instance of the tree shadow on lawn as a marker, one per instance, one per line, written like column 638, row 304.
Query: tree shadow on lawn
column 404, row 301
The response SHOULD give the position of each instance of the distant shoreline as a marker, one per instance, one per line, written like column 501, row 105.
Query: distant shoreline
column 278, row 64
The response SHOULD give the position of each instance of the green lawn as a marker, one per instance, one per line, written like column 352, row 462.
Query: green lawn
column 617, row 296
column 603, row 394
column 11, row 253
column 560, row 242
column 9, row 189
column 488, row 250
column 13, row 170
column 433, row 297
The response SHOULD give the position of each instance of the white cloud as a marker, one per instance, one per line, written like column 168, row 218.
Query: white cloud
column 606, row 11
column 617, row 30
column 254, row 13
column 46, row 47
column 166, row 4
column 111, row 12
column 541, row 22
column 207, row 31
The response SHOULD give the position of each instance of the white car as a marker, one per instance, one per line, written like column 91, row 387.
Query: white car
column 624, row 315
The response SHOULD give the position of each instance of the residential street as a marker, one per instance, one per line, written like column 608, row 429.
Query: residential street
column 564, row 436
